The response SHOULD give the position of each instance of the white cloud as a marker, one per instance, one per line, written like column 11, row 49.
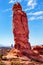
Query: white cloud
column 32, row 18
column 31, row 4
column 19, row 0
column 40, row 17
column 35, row 18
column 12, row 1
column 35, row 13
column 28, row 9
column 6, row 10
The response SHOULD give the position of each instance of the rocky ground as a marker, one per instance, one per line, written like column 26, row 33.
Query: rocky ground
column 20, row 62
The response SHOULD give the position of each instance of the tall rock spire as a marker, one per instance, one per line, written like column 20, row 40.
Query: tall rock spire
column 21, row 36
column 20, row 28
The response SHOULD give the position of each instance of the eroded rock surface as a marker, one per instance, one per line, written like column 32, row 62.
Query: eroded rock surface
column 39, row 49
column 21, row 35
column 20, row 28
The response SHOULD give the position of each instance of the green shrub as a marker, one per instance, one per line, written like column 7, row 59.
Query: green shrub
column 1, row 56
column 16, row 63
column 2, row 63
column 12, row 63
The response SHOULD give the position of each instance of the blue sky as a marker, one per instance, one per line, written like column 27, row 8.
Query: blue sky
column 34, row 11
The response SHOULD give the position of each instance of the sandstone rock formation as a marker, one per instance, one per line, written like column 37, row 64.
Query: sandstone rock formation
column 20, row 28
column 38, row 49
column 21, row 32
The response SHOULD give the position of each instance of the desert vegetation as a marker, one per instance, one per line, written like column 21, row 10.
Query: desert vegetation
column 16, row 63
column 1, row 63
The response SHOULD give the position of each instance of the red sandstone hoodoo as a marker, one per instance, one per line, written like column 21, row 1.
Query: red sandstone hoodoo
column 21, row 32
column 20, row 28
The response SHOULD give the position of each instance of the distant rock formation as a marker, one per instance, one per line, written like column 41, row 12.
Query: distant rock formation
column 39, row 49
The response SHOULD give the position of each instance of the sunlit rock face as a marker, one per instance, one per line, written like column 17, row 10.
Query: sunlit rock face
column 20, row 28
column 21, row 36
